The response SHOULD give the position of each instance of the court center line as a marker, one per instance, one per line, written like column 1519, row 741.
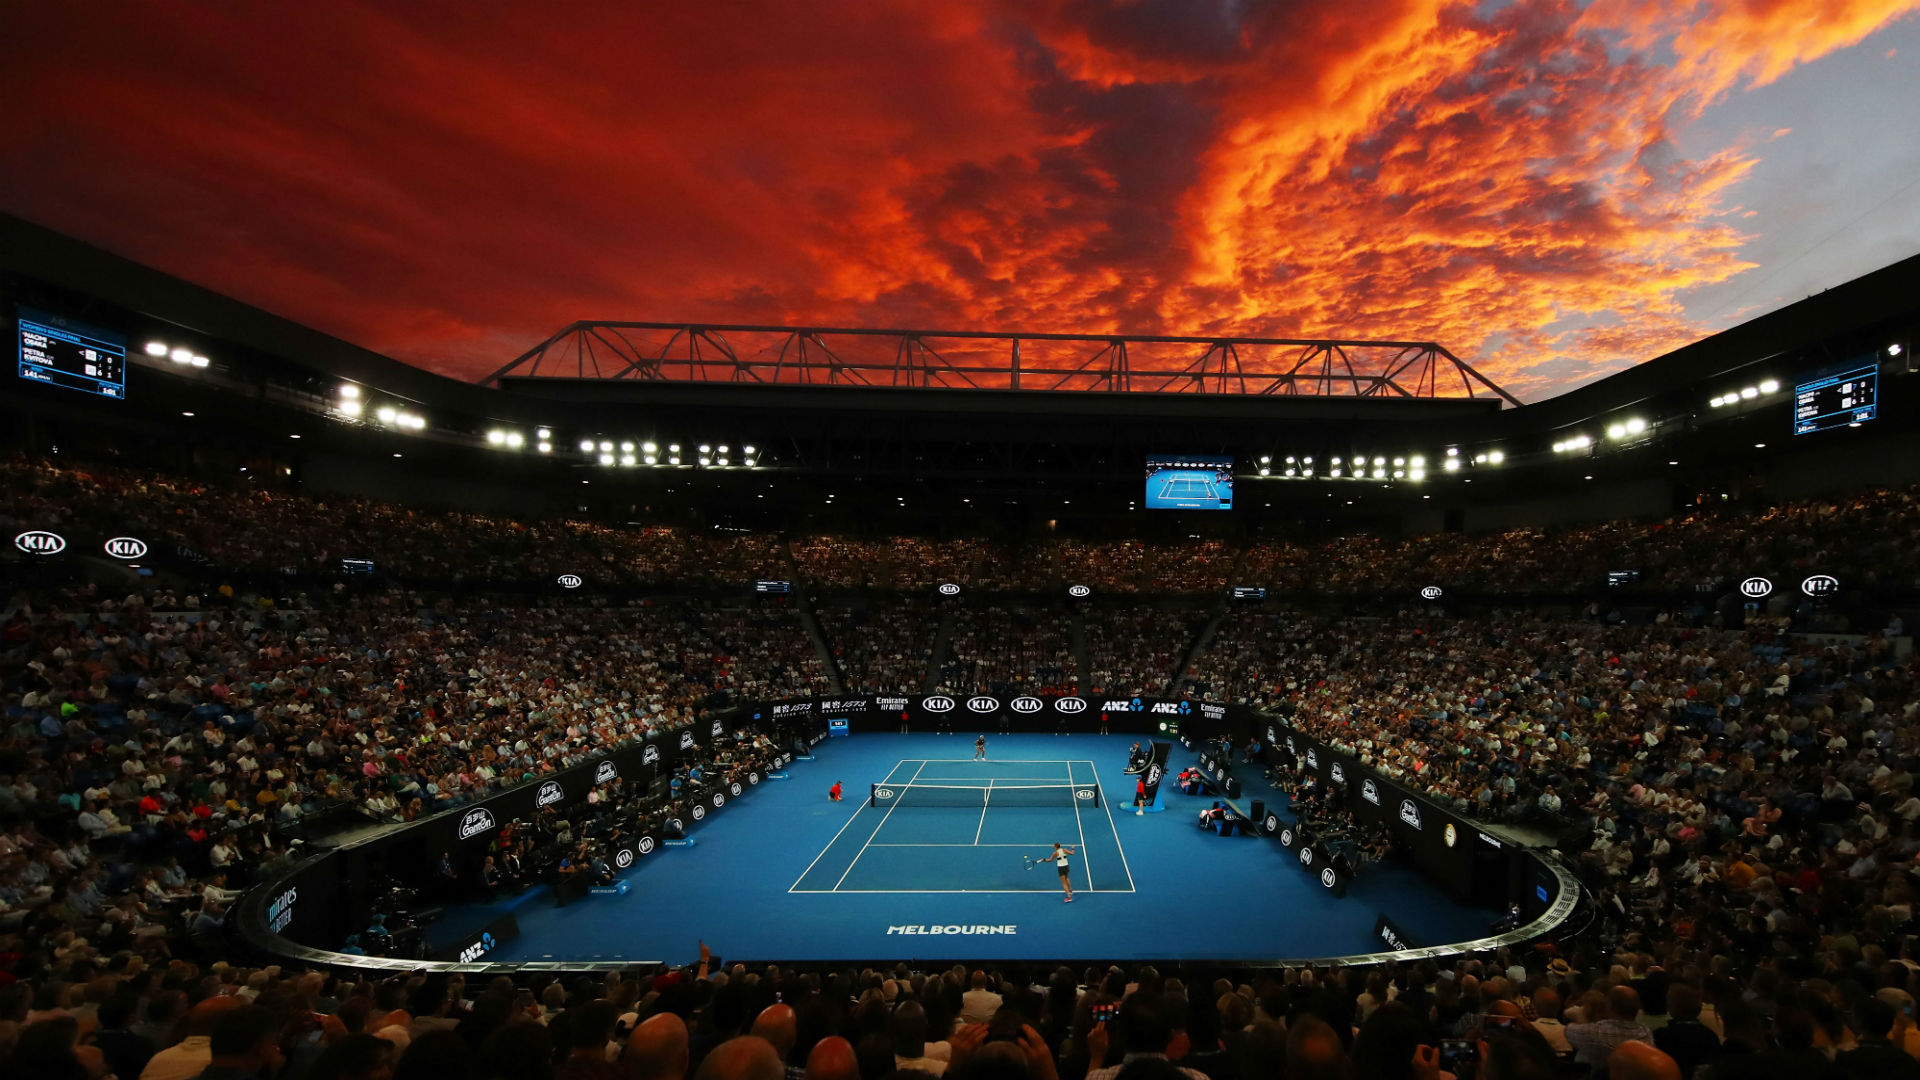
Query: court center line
column 1073, row 792
column 876, row 828
column 985, row 800
column 836, row 836
column 1108, row 803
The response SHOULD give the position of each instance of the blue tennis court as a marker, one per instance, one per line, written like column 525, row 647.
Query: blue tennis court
column 955, row 825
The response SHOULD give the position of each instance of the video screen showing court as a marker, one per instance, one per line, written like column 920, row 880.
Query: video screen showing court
column 1189, row 482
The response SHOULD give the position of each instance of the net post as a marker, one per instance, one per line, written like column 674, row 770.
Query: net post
column 873, row 795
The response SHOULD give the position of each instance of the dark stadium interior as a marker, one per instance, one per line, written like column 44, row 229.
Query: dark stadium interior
column 821, row 700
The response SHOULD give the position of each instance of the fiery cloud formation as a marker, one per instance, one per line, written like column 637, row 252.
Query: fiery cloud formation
column 1505, row 179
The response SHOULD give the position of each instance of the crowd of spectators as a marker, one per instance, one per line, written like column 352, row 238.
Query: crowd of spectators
column 883, row 649
column 1004, row 652
column 1136, row 650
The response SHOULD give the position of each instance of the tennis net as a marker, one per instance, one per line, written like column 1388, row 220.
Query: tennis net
column 1065, row 796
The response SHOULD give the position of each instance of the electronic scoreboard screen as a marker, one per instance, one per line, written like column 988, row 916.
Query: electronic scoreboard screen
column 61, row 353
column 1843, row 400
column 1189, row 482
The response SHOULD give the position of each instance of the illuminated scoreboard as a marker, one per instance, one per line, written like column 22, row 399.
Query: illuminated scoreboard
column 61, row 353
column 1843, row 400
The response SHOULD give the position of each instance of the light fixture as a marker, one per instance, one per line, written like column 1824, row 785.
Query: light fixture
column 544, row 447
column 586, row 446
column 1399, row 461
column 544, row 434
column 626, row 448
column 1379, row 461
column 606, row 459
column 649, row 448
column 1495, row 457
column 1264, row 470
column 349, row 391
column 1452, row 465
column 606, row 446
column 626, row 459
column 1636, row 425
column 1309, row 461
column 349, row 408
column 705, row 449
column 200, row 361
column 293, row 436
column 1265, row 460
column 674, row 448
column 156, row 348
column 1768, row 386
column 181, row 356
column 1893, row 349
column 1750, row 393
column 651, row 459
column 496, row 437
column 186, row 414
column 386, row 414
column 1417, row 461
column 1759, row 446
column 1717, row 402
column 396, row 455
column 515, row 440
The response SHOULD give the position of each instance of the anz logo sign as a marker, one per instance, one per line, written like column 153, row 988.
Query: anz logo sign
column 982, row 704
column 478, row 820
column 937, row 703
column 1179, row 708
column 479, row 948
column 40, row 542
column 549, row 794
column 1026, row 704
column 126, row 547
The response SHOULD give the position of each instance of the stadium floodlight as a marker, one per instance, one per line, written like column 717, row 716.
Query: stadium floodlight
column 1452, row 465
column 649, row 447
column 1749, row 393
column 1616, row 431
column 544, row 434
column 1398, row 474
column 1266, row 460
column 200, row 361
column 1306, row 461
column 1417, row 461
column 1291, row 471
column 1334, row 472
column 349, row 391
column 1336, row 461
column 1290, row 459
column 1479, row 459
column 181, row 356
column 1768, row 386
column 1399, row 461
column 1717, row 402
column 705, row 449
column 1417, row 475
column 1495, row 457
column 723, row 448
column 748, row 450
column 348, row 408
column 1636, row 425
column 651, row 459
column 515, row 440
column 673, row 449
column 385, row 414
column 626, row 459
column 496, row 437
column 626, row 447
column 606, row 459
column 156, row 348
column 1893, row 349
column 1379, row 461
column 586, row 446
column 1379, row 474
column 544, row 447
column 674, row 460
column 1453, row 451
column 416, row 422
column 1264, row 470
column 606, row 445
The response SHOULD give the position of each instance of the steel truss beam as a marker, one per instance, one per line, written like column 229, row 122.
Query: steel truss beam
column 973, row 359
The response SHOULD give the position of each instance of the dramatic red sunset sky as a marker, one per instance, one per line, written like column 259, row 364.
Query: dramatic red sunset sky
column 1552, row 189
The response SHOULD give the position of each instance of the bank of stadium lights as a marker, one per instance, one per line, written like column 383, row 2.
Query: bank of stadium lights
column 545, row 443
column 349, row 405
column 1577, row 442
column 1491, row 457
column 505, row 439
column 182, row 356
column 1626, row 429
column 1749, row 393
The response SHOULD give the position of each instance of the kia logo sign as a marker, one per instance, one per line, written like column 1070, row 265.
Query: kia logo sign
column 477, row 820
column 1431, row 592
column 699, row 812
column 753, row 778
column 734, row 787
column 549, row 794
column 1286, row 837
column 681, row 826
column 1306, row 856
column 1756, row 587
column 1820, row 585
column 645, row 846
column 1079, row 590
column 1273, row 823
column 607, row 771
column 40, row 542
column 1328, row 877
column 949, row 589
column 570, row 581
column 1084, row 794
column 1450, row 835
column 1026, row 704
column 719, row 800
column 623, row 858
column 1070, row 704
column 982, row 704
column 937, row 703
column 126, row 547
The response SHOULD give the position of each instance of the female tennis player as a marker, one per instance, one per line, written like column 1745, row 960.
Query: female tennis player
column 1060, row 863
column 980, row 748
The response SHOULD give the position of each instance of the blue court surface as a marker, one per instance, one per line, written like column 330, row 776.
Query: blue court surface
column 787, row 874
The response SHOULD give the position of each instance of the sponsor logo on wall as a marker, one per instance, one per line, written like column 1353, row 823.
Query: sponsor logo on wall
column 623, row 858
column 1449, row 834
column 1219, row 712
column 548, row 794
column 126, row 547
column 792, row 708
column 1070, row 704
column 686, row 740
column 1369, row 790
column 890, row 704
column 1026, row 703
column 651, row 755
column 1337, row 774
column 937, row 703
column 40, row 542
column 476, row 821
column 645, row 846
column 280, row 912
column 607, row 771
column 982, row 704
column 1410, row 812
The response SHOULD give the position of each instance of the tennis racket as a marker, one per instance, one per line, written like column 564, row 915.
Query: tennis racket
column 1031, row 861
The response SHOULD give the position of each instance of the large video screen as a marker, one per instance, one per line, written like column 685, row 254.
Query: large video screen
column 1188, row 482
column 60, row 353
column 1843, row 399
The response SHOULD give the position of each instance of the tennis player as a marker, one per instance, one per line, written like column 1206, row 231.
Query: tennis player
column 1061, row 864
column 980, row 748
